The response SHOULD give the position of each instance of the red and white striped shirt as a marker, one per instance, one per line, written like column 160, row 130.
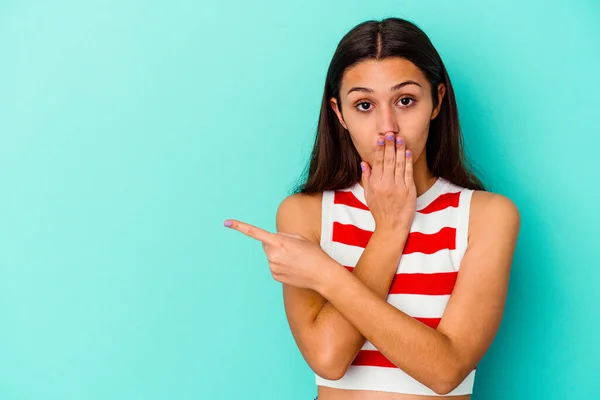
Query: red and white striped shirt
column 424, row 281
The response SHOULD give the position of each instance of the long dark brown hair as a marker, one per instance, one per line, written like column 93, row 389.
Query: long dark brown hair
column 335, row 162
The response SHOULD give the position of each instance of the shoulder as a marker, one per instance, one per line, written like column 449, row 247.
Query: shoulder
column 493, row 205
column 493, row 214
column 300, row 214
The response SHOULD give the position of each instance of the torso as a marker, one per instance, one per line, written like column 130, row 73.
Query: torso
column 313, row 204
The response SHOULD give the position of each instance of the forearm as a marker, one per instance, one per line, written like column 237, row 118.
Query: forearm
column 375, row 269
column 424, row 353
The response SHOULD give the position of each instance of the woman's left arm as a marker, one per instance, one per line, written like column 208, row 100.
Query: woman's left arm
column 441, row 358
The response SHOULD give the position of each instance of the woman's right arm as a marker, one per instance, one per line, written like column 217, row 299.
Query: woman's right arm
column 327, row 341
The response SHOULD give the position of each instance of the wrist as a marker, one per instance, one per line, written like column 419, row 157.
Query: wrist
column 330, row 278
column 391, row 235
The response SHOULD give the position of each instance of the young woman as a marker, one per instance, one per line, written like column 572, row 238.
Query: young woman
column 394, row 259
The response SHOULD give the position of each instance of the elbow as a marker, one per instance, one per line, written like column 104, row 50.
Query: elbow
column 443, row 388
column 329, row 374
column 329, row 367
column 447, row 381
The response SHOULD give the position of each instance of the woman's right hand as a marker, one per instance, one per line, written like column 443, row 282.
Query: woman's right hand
column 389, row 186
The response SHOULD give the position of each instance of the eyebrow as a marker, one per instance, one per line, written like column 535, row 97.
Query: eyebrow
column 393, row 88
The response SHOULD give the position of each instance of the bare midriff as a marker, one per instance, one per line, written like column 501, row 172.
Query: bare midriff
column 327, row 393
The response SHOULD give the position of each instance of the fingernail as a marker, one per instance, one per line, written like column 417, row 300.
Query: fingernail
column 408, row 153
column 390, row 136
column 399, row 140
column 380, row 141
column 227, row 223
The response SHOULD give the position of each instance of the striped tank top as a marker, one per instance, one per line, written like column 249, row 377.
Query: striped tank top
column 424, row 280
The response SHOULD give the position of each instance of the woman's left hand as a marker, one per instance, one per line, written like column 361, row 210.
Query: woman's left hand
column 293, row 259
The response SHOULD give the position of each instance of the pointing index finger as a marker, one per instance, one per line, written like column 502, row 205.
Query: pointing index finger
column 252, row 231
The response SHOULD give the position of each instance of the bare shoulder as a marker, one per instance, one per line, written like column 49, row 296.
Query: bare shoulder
column 301, row 214
column 493, row 214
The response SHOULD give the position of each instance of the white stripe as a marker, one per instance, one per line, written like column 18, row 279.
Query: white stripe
column 462, row 233
column 434, row 222
column 327, row 222
column 389, row 380
column 420, row 305
column 440, row 261
column 368, row 346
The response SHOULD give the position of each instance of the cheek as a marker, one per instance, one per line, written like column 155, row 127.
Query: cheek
column 365, row 142
column 362, row 133
column 414, row 130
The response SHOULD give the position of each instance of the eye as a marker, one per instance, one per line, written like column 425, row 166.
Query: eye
column 363, row 106
column 407, row 101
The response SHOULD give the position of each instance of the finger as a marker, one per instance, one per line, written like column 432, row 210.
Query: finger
column 377, row 171
column 366, row 172
column 292, row 235
column 408, row 170
column 389, row 157
column 252, row 231
column 366, row 176
column 400, row 160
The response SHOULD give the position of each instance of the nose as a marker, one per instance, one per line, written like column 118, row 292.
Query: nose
column 386, row 120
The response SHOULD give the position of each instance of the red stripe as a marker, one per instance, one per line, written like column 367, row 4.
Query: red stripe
column 440, row 283
column 434, row 284
column 416, row 242
column 442, row 202
column 348, row 199
column 350, row 235
column 372, row 358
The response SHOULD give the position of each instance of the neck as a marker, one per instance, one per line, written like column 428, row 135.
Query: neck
column 423, row 177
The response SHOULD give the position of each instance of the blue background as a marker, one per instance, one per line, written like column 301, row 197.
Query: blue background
column 130, row 130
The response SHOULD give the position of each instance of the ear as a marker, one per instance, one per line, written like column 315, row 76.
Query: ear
column 441, row 91
column 334, row 105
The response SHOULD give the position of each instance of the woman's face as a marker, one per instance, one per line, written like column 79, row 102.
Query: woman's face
column 389, row 95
